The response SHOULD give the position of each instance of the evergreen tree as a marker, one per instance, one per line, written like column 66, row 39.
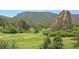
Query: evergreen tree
column 57, row 42
column 22, row 24
column 46, row 43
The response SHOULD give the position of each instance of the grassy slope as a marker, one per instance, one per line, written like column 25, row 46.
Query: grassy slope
column 31, row 40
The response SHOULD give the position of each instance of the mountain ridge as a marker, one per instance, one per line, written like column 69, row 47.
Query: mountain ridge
column 39, row 16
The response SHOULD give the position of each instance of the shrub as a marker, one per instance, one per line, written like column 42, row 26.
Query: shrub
column 46, row 43
column 53, row 34
column 21, row 31
column 6, row 31
column 62, row 34
column 45, row 32
column 57, row 42
column 66, row 34
column 14, row 30
column 31, row 30
column 36, row 30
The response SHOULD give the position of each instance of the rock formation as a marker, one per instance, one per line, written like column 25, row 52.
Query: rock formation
column 63, row 21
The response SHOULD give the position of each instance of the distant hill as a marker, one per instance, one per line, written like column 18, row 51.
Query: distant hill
column 35, row 16
column 75, row 18
column 39, row 17
column 5, row 17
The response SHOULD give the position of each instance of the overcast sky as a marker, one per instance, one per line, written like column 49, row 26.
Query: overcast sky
column 11, row 13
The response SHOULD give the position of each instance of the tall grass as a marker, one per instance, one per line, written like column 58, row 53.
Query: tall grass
column 6, row 45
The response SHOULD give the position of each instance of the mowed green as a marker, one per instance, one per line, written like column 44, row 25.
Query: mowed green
column 31, row 40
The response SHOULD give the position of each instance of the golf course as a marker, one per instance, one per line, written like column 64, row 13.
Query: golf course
column 40, row 30
column 31, row 40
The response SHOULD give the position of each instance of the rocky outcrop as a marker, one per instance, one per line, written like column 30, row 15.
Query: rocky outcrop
column 63, row 21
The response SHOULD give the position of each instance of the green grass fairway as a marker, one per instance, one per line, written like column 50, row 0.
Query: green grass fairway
column 68, row 43
column 31, row 40
column 24, row 40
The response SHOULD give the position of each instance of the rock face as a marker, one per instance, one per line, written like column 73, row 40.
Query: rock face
column 63, row 21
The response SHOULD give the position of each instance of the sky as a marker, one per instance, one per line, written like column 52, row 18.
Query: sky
column 11, row 13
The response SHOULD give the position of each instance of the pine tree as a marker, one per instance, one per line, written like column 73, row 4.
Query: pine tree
column 57, row 42
column 22, row 24
column 46, row 43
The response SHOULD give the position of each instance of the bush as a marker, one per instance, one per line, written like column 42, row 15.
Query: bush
column 14, row 30
column 31, row 30
column 46, row 43
column 45, row 32
column 53, row 34
column 57, row 42
column 66, row 34
column 36, row 30
column 5, row 31
column 21, row 31
column 62, row 34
